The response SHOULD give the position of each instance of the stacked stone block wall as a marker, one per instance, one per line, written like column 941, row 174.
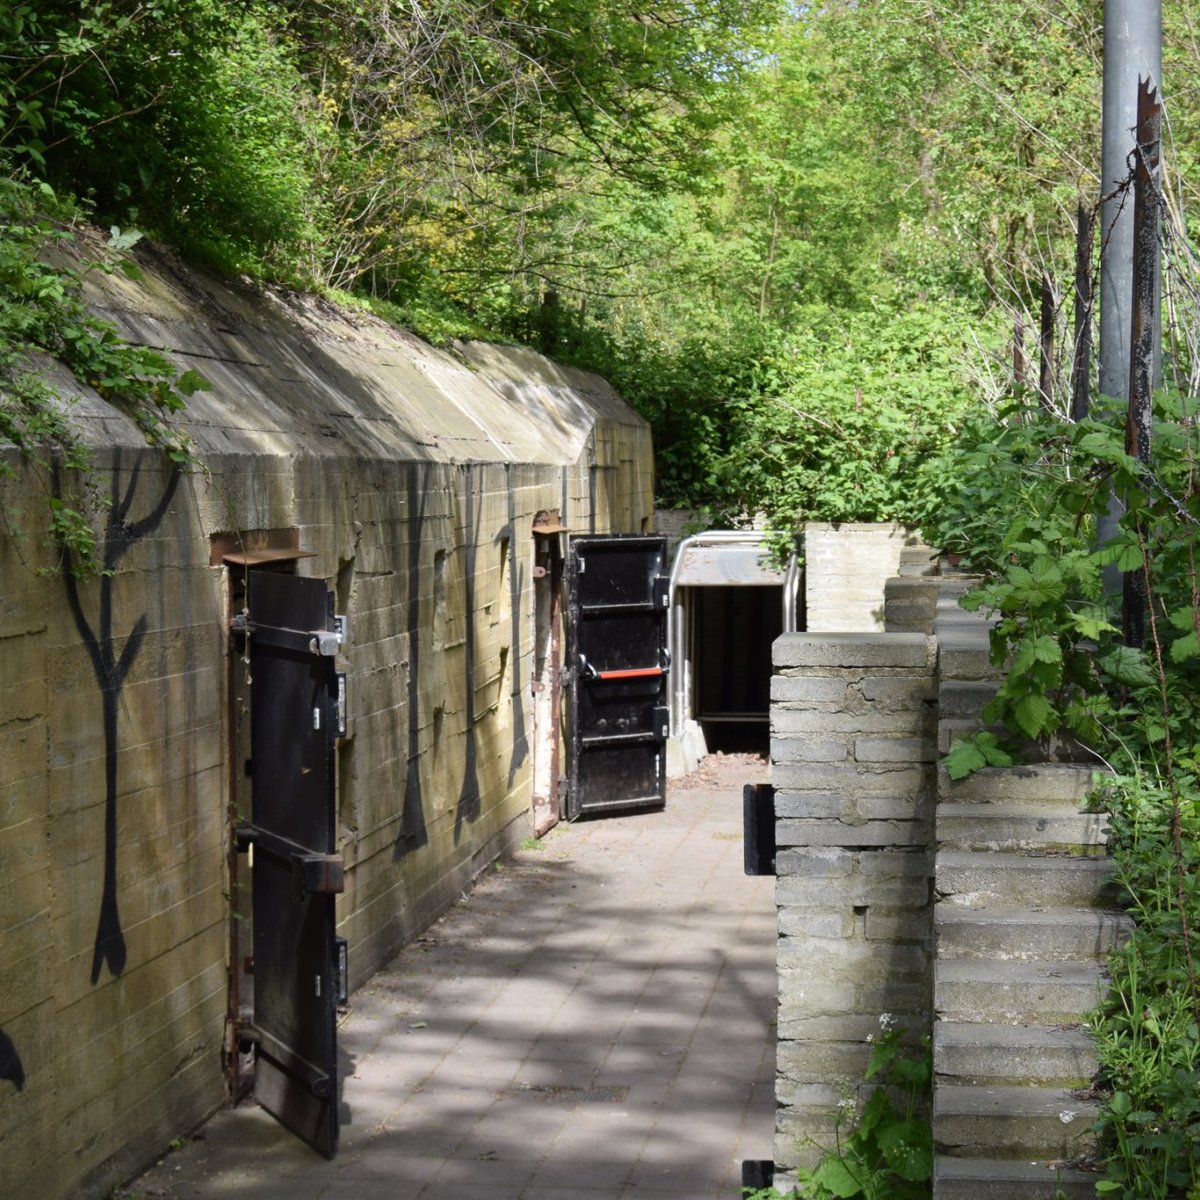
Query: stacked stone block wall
column 853, row 730
column 846, row 567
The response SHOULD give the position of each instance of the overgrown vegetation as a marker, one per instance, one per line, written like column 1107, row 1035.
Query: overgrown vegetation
column 796, row 237
column 883, row 1147
column 43, row 319
column 1031, row 488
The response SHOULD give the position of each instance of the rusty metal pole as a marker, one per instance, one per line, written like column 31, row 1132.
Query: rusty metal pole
column 1081, row 361
column 1132, row 50
column 1046, row 345
column 1143, row 331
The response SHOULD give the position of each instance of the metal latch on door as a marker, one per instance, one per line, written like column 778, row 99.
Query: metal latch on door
column 315, row 874
column 322, row 642
column 590, row 672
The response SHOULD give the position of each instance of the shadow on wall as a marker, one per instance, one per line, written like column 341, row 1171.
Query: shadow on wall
column 468, row 796
column 10, row 1062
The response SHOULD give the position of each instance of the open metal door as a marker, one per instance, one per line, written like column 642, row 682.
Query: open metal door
column 296, row 712
column 617, row 603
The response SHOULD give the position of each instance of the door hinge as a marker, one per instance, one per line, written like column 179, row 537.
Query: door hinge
column 319, row 874
column 339, row 713
column 324, row 642
column 341, row 970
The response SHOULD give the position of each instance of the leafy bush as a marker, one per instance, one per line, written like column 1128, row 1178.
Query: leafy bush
column 1147, row 1028
column 1025, row 514
column 42, row 312
column 848, row 415
column 884, row 1152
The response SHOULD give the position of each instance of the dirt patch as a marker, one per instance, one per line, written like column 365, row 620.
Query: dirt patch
column 718, row 769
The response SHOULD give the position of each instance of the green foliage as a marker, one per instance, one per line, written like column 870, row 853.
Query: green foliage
column 886, row 1151
column 982, row 750
column 848, row 416
column 42, row 313
column 1146, row 1029
column 1024, row 513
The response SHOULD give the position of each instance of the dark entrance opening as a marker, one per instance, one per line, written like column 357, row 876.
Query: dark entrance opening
column 734, row 628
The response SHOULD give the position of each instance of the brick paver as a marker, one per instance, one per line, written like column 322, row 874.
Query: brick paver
column 596, row 1020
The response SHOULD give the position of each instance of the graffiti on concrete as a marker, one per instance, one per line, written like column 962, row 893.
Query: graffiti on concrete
column 111, row 670
column 413, row 832
column 516, row 583
column 10, row 1062
column 468, row 796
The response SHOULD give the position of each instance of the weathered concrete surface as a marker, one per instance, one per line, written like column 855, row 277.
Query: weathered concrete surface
column 981, row 1054
column 413, row 476
column 853, row 718
column 847, row 566
column 1027, row 1122
column 1016, row 992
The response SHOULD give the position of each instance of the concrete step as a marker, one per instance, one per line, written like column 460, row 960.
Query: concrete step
column 977, row 877
column 994, row 1179
column 1043, row 783
column 964, row 699
column 1001, row 826
column 1012, row 1055
column 910, row 604
column 920, row 560
column 953, row 583
column 1026, row 1123
column 1056, row 750
column 963, row 651
column 1026, row 934
column 1013, row 991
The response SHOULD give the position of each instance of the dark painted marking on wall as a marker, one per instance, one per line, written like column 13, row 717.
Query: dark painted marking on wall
column 10, row 1062
column 111, row 670
column 413, row 832
column 517, row 550
column 468, row 796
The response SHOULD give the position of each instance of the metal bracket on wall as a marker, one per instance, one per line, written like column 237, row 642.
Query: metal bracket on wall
column 758, row 823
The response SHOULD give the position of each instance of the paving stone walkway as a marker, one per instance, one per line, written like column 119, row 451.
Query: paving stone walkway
column 596, row 1021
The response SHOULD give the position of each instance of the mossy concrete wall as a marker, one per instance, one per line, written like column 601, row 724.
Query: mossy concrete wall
column 413, row 476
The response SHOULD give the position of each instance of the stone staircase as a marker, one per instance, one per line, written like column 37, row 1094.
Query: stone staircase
column 1022, row 924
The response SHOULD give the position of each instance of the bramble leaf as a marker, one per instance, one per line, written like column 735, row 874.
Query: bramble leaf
column 964, row 759
column 1127, row 665
column 1034, row 715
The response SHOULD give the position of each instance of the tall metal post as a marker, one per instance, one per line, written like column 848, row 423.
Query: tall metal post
column 1081, row 358
column 1132, row 49
column 1144, row 329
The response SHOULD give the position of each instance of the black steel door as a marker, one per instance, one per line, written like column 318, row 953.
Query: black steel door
column 295, row 716
column 617, row 603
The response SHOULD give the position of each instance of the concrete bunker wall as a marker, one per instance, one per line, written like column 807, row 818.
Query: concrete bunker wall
column 413, row 477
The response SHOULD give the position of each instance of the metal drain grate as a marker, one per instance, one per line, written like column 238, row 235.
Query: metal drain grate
column 613, row 1094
